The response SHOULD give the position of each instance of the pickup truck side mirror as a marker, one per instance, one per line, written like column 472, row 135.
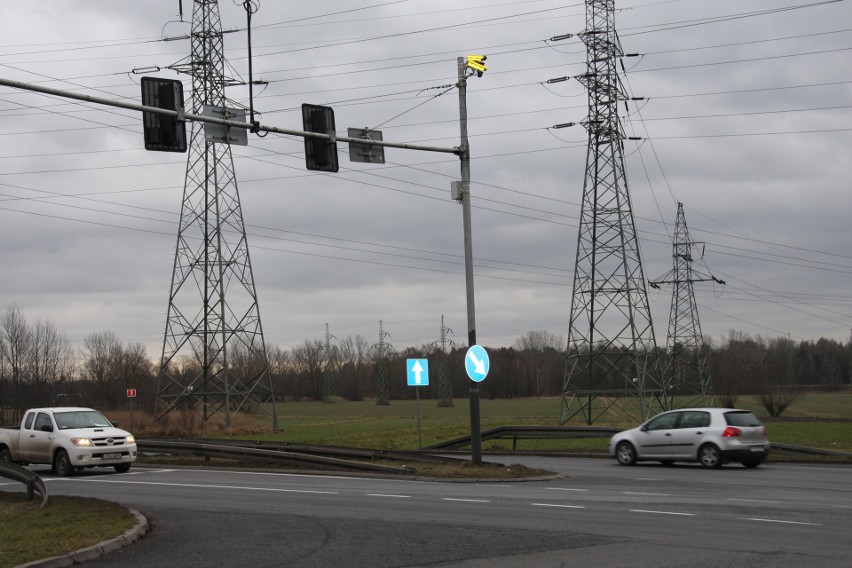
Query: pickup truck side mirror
column 47, row 428
column 114, row 423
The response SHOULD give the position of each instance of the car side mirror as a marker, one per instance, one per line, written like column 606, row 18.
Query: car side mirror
column 46, row 428
column 114, row 423
column 644, row 428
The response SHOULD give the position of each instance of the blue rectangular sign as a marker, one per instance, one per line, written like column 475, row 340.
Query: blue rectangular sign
column 418, row 372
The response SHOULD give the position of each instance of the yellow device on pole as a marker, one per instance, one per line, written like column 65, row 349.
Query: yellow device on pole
column 475, row 62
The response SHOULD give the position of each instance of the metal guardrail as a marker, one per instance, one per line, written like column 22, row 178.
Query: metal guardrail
column 516, row 433
column 33, row 482
column 240, row 452
column 787, row 448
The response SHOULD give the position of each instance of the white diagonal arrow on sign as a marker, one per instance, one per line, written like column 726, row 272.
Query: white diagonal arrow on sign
column 479, row 366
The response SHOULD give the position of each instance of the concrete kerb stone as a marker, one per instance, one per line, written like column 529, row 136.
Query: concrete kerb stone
column 97, row 550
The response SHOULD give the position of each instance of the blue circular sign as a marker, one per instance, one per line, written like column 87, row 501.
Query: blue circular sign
column 476, row 363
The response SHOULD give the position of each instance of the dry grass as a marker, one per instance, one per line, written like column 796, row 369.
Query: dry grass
column 187, row 423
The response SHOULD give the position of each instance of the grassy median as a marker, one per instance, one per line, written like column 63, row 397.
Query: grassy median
column 66, row 524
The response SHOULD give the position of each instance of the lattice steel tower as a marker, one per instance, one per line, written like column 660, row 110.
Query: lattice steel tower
column 611, row 357
column 686, row 371
column 214, row 356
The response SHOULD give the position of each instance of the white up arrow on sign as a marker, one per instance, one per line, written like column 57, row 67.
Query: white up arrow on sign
column 417, row 369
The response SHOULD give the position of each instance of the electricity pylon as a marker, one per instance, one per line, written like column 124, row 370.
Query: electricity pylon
column 611, row 356
column 382, row 351
column 214, row 356
column 445, row 381
column 686, row 371
column 328, row 370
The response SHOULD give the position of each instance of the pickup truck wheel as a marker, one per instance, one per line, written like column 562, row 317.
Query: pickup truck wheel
column 62, row 464
column 122, row 468
column 5, row 455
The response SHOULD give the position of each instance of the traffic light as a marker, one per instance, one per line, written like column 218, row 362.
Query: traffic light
column 320, row 154
column 475, row 62
column 163, row 133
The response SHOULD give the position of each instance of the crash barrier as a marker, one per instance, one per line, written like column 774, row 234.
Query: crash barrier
column 322, row 457
column 34, row 483
column 516, row 433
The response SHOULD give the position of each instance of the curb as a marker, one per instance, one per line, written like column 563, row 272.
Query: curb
column 97, row 550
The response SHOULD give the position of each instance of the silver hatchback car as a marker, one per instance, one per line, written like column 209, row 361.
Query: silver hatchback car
column 710, row 436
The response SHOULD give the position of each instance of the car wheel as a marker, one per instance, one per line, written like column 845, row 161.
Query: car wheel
column 752, row 463
column 5, row 455
column 62, row 464
column 122, row 468
column 710, row 456
column 625, row 453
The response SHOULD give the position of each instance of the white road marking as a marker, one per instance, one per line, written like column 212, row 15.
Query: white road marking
column 555, row 505
column 203, row 486
column 466, row 500
column 662, row 513
column 567, row 489
column 388, row 495
column 783, row 522
column 644, row 493
column 753, row 500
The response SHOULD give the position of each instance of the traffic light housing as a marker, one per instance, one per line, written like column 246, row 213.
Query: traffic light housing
column 320, row 154
column 163, row 133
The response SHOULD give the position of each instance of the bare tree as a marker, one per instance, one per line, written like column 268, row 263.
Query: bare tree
column 15, row 344
column 354, row 366
column 308, row 359
column 51, row 359
column 540, row 360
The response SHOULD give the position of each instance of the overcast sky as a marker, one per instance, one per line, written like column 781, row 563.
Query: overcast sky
column 746, row 121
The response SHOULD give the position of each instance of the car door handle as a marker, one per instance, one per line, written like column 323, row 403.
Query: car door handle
column 668, row 433
column 699, row 433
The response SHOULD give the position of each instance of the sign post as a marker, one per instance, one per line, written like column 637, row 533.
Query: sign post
column 131, row 394
column 418, row 376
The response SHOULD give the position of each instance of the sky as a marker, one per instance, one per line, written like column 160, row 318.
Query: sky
column 744, row 118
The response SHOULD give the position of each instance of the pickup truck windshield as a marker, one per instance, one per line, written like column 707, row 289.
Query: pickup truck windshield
column 80, row 419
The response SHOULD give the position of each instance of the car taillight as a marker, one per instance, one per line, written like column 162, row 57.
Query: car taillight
column 731, row 432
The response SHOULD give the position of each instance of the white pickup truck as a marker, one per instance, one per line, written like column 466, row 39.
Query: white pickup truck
column 68, row 439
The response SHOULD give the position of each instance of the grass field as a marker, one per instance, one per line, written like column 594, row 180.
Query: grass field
column 818, row 420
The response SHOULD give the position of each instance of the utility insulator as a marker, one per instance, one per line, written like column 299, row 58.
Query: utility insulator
column 320, row 153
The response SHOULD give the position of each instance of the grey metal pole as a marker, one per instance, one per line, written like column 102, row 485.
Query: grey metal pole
column 464, row 154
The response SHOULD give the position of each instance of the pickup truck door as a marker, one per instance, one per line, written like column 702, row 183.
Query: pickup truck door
column 36, row 443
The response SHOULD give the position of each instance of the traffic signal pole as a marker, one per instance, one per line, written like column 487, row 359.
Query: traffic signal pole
column 464, row 154
column 467, row 66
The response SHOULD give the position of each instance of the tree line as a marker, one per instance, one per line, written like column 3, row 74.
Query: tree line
column 39, row 367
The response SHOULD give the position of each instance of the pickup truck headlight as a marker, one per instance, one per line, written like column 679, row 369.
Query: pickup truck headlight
column 130, row 440
column 82, row 442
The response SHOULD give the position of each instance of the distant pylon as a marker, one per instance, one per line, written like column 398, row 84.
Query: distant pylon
column 686, row 372
column 214, row 356
column 328, row 370
column 611, row 357
column 445, row 381
column 382, row 350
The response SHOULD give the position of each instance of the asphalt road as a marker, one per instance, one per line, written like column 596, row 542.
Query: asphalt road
column 603, row 514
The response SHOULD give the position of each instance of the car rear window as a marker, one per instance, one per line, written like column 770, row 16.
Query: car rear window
column 745, row 419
